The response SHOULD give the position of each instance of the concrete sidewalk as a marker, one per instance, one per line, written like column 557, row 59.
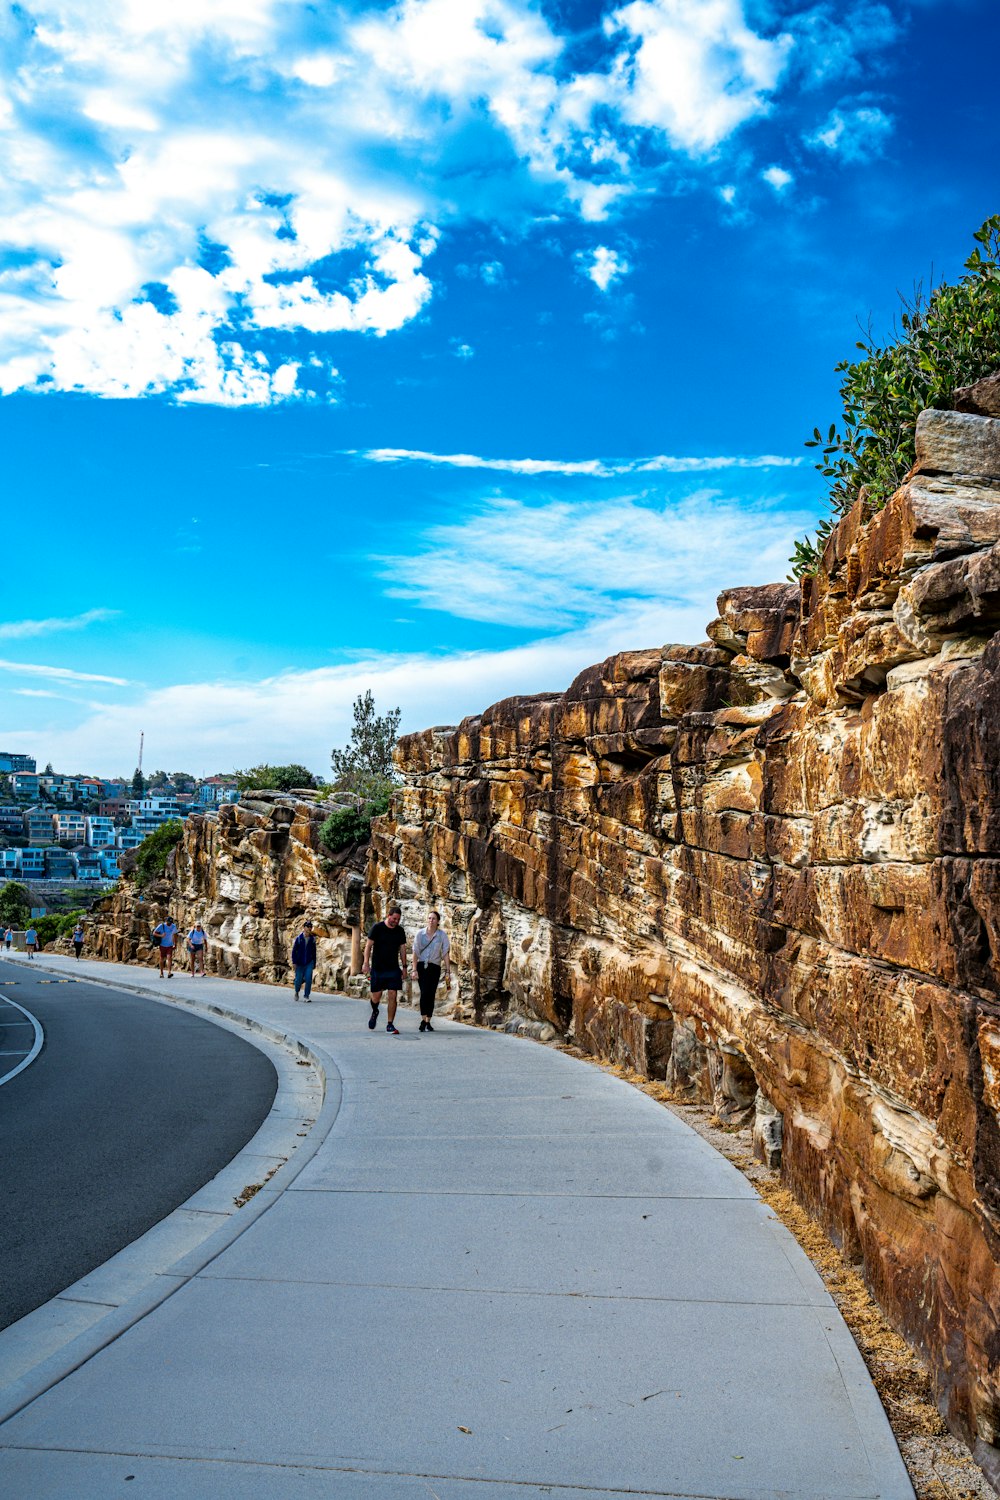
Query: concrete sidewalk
column 501, row 1272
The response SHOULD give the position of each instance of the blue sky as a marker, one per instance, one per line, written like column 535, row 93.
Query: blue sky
column 440, row 347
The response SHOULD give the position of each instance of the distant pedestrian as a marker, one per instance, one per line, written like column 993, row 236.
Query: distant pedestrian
column 304, row 960
column 78, row 939
column 431, row 952
column 385, row 962
column 196, row 942
column 31, row 941
column 8, row 937
column 164, row 934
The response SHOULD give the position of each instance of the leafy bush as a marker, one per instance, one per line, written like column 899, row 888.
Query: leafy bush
column 152, row 854
column 47, row 929
column 15, row 904
column 56, row 924
column 353, row 825
column 947, row 339
column 265, row 778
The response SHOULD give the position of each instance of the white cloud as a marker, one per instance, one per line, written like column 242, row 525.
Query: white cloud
column 778, row 178
column 188, row 189
column 572, row 564
column 854, row 135
column 18, row 630
column 62, row 674
column 594, row 468
column 604, row 266
column 695, row 71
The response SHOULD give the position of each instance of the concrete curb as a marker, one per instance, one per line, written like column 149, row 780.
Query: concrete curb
column 148, row 1278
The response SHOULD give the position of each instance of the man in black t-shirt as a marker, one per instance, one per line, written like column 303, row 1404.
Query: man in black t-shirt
column 385, row 963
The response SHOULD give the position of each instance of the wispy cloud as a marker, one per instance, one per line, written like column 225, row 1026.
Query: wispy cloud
column 853, row 135
column 20, row 630
column 571, row 564
column 592, row 468
column 59, row 674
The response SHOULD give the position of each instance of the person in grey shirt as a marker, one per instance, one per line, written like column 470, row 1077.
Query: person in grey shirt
column 431, row 953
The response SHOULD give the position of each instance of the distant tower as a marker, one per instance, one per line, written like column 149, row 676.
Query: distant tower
column 142, row 736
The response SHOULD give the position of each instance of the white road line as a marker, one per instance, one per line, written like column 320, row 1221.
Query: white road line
column 36, row 1047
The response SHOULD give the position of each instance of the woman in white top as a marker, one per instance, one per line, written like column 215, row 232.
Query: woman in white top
column 431, row 953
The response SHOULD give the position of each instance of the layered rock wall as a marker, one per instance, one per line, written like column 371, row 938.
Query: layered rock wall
column 767, row 868
column 251, row 875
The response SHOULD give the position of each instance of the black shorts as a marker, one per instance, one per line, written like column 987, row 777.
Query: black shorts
column 389, row 979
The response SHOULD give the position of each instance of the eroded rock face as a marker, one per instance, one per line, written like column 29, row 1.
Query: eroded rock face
column 251, row 876
column 767, row 869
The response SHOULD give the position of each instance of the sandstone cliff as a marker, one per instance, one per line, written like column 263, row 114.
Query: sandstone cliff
column 766, row 868
column 250, row 874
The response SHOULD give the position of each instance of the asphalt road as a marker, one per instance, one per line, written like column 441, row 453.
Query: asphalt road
column 128, row 1109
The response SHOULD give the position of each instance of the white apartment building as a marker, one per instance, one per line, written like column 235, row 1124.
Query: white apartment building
column 155, row 807
column 99, row 832
column 148, row 813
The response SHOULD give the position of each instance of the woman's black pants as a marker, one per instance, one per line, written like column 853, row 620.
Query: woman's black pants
column 428, row 976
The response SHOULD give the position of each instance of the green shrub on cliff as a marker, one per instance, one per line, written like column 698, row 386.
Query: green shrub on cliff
column 265, row 778
column 945, row 340
column 352, row 825
column 152, row 854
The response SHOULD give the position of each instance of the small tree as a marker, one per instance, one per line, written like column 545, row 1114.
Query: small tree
column 15, row 904
column 265, row 778
column 138, row 785
column 365, row 766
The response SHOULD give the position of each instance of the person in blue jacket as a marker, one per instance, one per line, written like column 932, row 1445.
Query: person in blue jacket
column 304, row 959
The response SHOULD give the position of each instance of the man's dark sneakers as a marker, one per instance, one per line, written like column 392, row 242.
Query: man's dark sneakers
column 392, row 1030
column 373, row 1018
